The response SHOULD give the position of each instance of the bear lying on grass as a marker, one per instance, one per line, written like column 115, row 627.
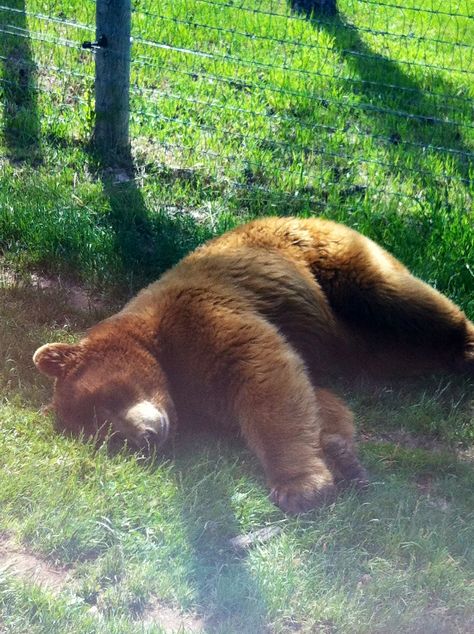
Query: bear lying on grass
column 244, row 330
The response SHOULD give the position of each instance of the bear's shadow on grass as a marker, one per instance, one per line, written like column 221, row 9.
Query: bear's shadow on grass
column 388, row 89
column 228, row 598
column 21, row 122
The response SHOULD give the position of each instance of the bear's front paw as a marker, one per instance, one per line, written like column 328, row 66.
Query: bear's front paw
column 300, row 495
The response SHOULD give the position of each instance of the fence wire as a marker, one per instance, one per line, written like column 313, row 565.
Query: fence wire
column 265, row 104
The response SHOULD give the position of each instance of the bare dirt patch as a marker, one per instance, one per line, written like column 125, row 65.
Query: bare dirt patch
column 466, row 455
column 74, row 295
column 404, row 439
column 20, row 564
column 426, row 487
column 169, row 619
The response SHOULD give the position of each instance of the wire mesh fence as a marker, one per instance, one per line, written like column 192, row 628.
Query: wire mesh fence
column 265, row 105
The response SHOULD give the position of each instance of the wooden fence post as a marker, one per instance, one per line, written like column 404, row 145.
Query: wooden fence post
column 326, row 6
column 315, row 7
column 112, row 77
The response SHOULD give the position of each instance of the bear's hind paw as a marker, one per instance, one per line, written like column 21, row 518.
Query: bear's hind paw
column 345, row 464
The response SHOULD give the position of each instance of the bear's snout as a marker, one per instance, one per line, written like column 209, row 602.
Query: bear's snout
column 146, row 425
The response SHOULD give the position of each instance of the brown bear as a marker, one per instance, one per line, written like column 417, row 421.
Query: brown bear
column 244, row 331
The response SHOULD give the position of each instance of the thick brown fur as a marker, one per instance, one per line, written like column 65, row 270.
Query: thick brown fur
column 245, row 329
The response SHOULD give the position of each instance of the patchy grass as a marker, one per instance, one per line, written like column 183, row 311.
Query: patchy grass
column 218, row 139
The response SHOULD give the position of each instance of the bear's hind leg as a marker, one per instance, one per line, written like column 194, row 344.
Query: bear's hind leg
column 406, row 326
column 337, row 440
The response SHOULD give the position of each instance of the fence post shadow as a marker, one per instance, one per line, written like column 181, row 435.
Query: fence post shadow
column 21, row 120
column 382, row 81
column 129, row 218
column 316, row 7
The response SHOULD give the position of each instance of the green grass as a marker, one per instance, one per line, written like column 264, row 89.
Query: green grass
column 285, row 122
column 217, row 140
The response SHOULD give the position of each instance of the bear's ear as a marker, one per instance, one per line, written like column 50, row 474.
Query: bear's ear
column 52, row 359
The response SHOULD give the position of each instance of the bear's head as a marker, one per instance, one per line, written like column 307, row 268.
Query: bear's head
column 106, row 386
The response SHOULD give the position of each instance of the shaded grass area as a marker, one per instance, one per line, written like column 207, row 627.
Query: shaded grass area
column 21, row 126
